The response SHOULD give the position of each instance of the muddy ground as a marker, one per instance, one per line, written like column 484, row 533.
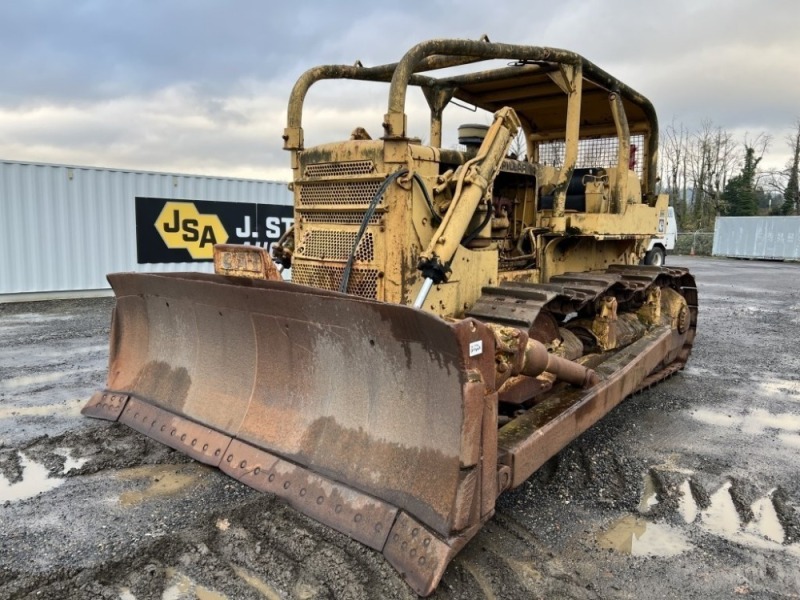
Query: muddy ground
column 688, row 490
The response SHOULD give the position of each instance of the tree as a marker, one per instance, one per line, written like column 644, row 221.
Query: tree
column 791, row 194
column 741, row 195
column 519, row 147
column 712, row 156
column 674, row 149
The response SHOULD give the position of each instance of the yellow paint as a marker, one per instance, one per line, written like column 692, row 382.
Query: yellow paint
column 181, row 225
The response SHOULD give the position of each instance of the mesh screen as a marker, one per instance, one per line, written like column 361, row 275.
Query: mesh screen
column 595, row 152
column 339, row 192
column 339, row 218
column 336, row 245
column 339, row 169
column 363, row 282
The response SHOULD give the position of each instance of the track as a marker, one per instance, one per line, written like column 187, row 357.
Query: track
column 524, row 305
column 606, row 518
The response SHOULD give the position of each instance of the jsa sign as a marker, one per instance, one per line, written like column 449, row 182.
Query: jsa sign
column 169, row 231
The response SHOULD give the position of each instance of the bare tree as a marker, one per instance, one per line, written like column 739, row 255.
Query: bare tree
column 712, row 157
column 519, row 148
column 791, row 193
column 674, row 148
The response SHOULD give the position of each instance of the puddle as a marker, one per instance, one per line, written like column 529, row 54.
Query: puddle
column 755, row 422
column 161, row 481
column 780, row 387
column 765, row 520
column 259, row 585
column 13, row 383
column 70, row 408
column 35, row 480
column 638, row 537
column 790, row 439
column 73, row 351
column 721, row 516
column 694, row 371
column 764, row 531
column 687, row 505
column 713, row 417
column 184, row 588
column 649, row 496
column 70, row 462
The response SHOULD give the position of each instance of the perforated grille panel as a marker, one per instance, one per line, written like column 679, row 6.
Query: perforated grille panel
column 597, row 152
column 339, row 169
column 336, row 245
column 363, row 282
column 339, row 192
column 339, row 218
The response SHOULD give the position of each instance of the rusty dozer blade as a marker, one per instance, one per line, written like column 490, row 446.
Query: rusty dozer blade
column 375, row 419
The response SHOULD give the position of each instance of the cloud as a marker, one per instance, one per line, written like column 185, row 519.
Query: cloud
column 202, row 86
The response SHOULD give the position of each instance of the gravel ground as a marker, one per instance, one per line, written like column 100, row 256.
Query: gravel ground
column 687, row 490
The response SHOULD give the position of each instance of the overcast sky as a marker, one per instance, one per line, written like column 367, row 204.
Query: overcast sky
column 201, row 86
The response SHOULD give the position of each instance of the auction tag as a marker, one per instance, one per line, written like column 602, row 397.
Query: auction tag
column 476, row 348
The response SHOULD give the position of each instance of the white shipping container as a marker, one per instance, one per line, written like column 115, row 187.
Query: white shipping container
column 63, row 228
column 773, row 238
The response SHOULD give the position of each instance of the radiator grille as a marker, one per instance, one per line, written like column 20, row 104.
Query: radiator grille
column 339, row 217
column 339, row 169
column 363, row 282
column 339, row 192
column 336, row 245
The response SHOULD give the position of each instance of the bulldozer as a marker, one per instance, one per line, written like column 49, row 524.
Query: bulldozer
column 455, row 315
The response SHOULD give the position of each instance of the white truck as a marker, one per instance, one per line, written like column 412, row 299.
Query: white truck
column 660, row 244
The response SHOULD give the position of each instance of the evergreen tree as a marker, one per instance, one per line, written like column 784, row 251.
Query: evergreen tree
column 740, row 194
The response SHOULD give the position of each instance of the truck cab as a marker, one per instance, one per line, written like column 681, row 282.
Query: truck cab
column 660, row 244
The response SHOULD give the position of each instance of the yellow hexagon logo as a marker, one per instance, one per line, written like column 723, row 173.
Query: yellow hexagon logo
column 182, row 226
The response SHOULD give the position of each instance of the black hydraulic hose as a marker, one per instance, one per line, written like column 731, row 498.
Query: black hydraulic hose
column 435, row 218
column 364, row 222
column 474, row 233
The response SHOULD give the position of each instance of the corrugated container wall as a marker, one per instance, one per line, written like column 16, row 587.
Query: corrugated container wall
column 62, row 228
column 776, row 238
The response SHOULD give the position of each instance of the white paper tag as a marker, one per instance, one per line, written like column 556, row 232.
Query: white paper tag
column 476, row 348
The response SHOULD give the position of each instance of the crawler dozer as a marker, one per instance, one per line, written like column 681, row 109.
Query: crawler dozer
column 456, row 315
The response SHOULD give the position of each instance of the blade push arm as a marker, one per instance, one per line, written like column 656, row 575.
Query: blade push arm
column 476, row 176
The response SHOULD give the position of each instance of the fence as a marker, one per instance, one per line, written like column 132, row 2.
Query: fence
column 694, row 243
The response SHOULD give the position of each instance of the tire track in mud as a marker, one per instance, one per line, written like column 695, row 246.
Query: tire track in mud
column 247, row 546
column 254, row 545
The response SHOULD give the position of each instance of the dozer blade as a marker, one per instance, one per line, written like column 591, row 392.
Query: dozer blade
column 369, row 417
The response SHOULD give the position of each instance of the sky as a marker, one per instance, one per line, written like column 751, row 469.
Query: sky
column 201, row 86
